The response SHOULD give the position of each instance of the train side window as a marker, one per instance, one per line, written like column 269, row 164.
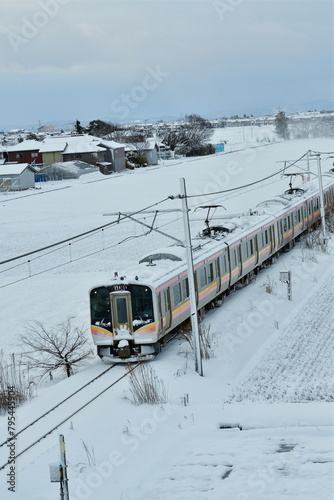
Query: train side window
column 210, row 274
column 166, row 300
column 177, row 294
column 223, row 265
column 234, row 257
column 266, row 239
column 250, row 248
column 185, row 289
column 202, row 277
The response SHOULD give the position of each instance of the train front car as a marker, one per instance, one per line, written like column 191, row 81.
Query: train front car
column 123, row 322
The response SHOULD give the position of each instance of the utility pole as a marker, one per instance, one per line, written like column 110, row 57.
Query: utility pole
column 322, row 207
column 191, row 280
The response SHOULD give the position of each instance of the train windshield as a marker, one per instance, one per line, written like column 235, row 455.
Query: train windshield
column 141, row 304
column 100, row 308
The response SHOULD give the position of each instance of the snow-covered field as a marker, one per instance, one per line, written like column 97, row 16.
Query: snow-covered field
column 258, row 425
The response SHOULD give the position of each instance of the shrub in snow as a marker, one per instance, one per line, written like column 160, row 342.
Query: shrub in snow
column 145, row 386
column 206, row 340
column 15, row 384
column 62, row 347
column 330, row 221
column 270, row 286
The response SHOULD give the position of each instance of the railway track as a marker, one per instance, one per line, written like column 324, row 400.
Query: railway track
column 44, row 433
column 25, row 430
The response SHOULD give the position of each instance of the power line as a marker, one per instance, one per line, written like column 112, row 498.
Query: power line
column 80, row 235
column 235, row 188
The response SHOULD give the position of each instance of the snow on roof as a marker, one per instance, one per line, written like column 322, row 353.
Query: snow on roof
column 30, row 145
column 52, row 146
column 77, row 144
column 15, row 169
column 112, row 144
column 82, row 148
column 82, row 144
column 147, row 145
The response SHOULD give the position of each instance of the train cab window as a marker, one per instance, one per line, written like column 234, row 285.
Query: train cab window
column 177, row 294
column 185, row 288
column 122, row 313
column 202, row 277
column 210, row 274
column 100, row 307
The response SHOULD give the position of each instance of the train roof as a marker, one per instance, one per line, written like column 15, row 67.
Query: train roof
column 159, row 266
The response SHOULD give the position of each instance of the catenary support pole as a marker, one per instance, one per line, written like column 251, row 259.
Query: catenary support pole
column 191, row 280
column 64, row 493
column 322, row 207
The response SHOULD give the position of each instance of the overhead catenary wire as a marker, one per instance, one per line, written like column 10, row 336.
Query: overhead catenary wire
column 67, row 240
column 121, row 218
column 237, row 188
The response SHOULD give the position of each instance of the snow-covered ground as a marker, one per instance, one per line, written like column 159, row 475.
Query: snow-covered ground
column 258, row 425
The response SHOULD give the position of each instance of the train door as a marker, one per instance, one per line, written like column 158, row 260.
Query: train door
column 160, row 315
column 235, row 259
column 121, row 311
column 168, row 308
column 309, row 213
column 218, row 274
column 272, row 239
column 257, row 247
column 279, row 233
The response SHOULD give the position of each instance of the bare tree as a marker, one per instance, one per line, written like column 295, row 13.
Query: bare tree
column 193, row 133
column 61, row 347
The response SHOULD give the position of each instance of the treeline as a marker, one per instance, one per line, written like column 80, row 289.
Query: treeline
column 189, row 137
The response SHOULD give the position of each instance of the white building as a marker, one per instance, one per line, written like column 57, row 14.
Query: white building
column 16, row 177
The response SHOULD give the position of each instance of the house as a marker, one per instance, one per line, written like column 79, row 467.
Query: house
column 84, row 148
column 109, row 155
column 51, row 151
column 25, row 152
column 3, row 155
column 16, row 177
column 114, row 157
column 149, row 149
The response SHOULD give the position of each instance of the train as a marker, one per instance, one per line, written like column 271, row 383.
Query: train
column 132, row 314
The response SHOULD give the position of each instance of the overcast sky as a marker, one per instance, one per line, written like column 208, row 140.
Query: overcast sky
column 63, row 60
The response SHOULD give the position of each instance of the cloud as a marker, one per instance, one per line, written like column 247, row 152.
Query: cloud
column 102, row 47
